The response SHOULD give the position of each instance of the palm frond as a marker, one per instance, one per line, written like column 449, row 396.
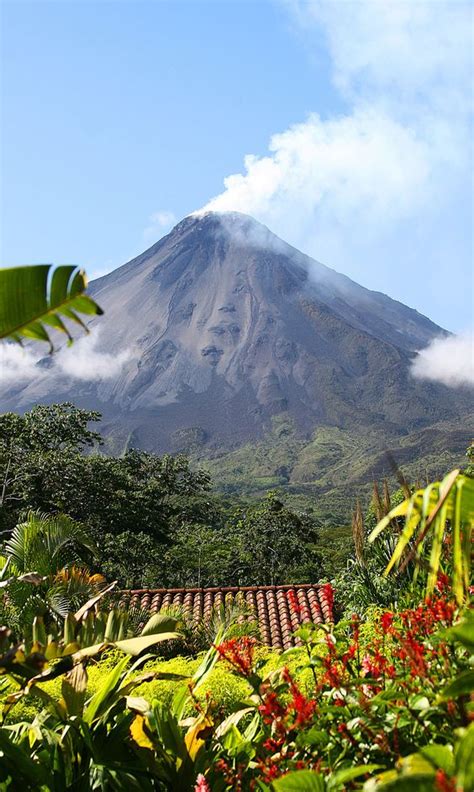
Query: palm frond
column 47, row 543
column 71, row 587
column 34, row 298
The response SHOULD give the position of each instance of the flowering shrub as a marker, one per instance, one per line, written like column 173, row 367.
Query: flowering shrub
column 387, row 712
column 239, row 652
column 380, row 704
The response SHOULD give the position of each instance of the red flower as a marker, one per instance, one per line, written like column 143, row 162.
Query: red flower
column 386, row 621
column 413, row 652
column 233, row 778
column 355, row 621
column 349, row 655
column 271, row 709
column 303, row 707
column 272, row 745
column 270, row 772
column 300, row 764
column 295, row 607
column 342, row 729
column 443, row 783
column 333, row 674
column 451, row 707
column 328, row 594
column 442, row 583
column 239, row 653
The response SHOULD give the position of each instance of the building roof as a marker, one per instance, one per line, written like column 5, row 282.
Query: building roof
column 280, row 610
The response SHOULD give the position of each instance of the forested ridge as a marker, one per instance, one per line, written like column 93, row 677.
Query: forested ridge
column 156, row 521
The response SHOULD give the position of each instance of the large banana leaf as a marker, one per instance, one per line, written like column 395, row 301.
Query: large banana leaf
column 32, row 298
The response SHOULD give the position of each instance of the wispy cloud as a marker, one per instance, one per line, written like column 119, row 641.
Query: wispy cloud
column 82, row 361
column 334, row 174
column 448, row 360
column 17, row 364
column 158, row 224
column 379, row 186
column 85, row 361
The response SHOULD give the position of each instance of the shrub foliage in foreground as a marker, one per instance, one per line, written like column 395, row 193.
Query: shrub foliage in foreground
column 389, row 704
column 389, row 707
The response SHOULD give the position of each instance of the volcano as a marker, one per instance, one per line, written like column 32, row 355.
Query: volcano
column 232, row 333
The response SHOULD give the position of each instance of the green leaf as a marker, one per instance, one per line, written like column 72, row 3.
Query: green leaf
column 39, row 631
column 397, row 511
column 168, row 729
column 90, row 603
column 159, row 623
column 465, row 761
column 108, row 686
column 416, row 765
column 440, row 755
column 232, row 720
column 439, row 527
column 413, row 517
column 134, row 646
column 27, row 304
column 342, row 777
column 419, row 702
column 463, row 632
column 210, row 659
column 462, row 685
column 429, row 510
column 74, row 686
column 391, row 783
column 300, row 781
column 18, row 761
column 458, row 562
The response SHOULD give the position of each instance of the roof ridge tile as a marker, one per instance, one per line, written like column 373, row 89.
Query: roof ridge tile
column 278, row 613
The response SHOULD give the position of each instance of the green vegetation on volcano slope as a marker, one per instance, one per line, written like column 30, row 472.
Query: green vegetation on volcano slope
column 329, row 469
column 158, row 520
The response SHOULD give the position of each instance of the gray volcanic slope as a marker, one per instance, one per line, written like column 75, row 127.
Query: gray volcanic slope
column 228, row 326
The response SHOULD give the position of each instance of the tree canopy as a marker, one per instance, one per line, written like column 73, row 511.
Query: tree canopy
column 154, row 518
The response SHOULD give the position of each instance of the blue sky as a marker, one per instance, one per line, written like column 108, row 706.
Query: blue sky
column 119, row 118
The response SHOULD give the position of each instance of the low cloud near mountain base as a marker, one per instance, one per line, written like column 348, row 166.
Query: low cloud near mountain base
column 83, row 361
column 447, row 360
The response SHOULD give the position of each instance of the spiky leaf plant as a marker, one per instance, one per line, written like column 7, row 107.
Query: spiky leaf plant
column 443, row 508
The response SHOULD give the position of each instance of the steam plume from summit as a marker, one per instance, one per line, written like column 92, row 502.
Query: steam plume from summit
column 378, row 189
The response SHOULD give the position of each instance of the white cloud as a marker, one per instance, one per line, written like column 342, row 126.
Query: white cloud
column 409, row 52
column 17, row 364
column 448, row 360
column 323, row 175
column 380, row 188
column 158, row 224
column 81, row 361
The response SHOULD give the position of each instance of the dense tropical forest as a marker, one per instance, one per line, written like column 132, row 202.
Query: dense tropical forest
column 155, row 521
column 98, row 696
column 384, row 694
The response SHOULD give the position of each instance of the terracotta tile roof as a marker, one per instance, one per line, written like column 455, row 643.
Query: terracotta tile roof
column 280, row 610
